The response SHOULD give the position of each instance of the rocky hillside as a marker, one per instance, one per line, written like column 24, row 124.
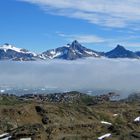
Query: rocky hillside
column 69, row 116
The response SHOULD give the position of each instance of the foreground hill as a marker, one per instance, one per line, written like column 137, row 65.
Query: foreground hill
column 69, row 116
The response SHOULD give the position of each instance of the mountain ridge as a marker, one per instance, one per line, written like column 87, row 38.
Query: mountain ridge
column 71, row 51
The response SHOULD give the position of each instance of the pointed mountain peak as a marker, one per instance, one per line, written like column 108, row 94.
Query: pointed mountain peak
column 121, row 52
column 75, row 42
column 120, row 47
column 72, row 51
column 75, row 45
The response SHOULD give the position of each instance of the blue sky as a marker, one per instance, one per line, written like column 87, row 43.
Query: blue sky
column 39, row 25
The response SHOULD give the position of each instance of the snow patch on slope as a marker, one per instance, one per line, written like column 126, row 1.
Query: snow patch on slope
column 104, row 136
column 6, row 47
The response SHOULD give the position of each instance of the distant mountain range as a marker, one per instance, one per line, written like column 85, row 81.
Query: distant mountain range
column 71, row 51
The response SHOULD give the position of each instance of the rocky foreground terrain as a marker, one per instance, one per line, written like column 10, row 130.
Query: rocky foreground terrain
column 69, row 116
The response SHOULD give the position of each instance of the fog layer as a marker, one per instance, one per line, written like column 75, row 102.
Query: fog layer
column 86, row 74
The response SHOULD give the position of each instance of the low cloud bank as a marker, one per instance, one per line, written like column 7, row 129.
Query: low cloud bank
column 88, row 74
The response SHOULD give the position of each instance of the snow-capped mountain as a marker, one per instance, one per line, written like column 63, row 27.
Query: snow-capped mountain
column 70, row 52
column 9, row 52
column 121, row 52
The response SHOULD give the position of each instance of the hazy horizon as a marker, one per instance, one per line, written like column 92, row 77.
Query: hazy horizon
column 101, row 74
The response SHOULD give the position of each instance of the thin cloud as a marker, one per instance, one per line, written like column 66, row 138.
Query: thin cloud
column 127, row 41
column 83, row 38
column 132, row 44
column 109, row 13
column 131, row 41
